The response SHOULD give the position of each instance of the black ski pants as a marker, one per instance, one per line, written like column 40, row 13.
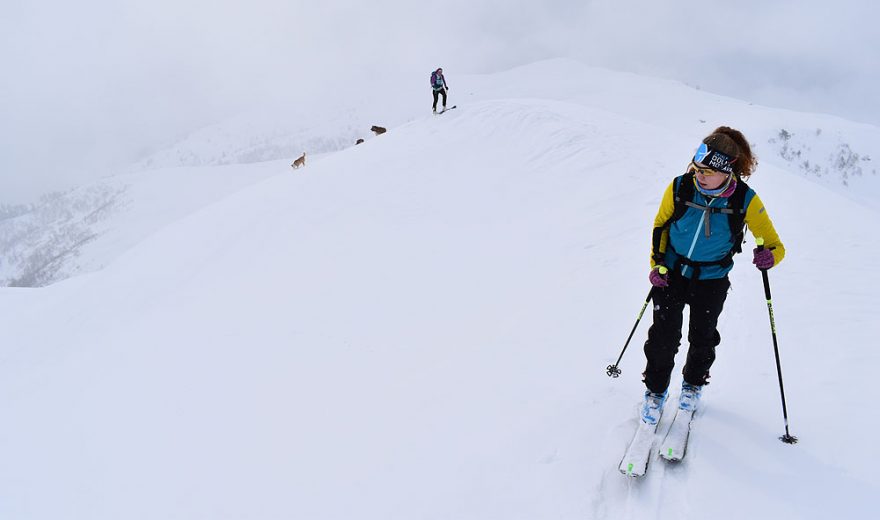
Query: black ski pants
column 706, row 300
column 442, row 92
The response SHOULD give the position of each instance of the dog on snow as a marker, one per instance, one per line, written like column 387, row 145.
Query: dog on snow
column 299, row 162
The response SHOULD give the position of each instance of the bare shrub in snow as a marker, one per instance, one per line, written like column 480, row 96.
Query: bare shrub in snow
column 842, row 162
column 40, row 246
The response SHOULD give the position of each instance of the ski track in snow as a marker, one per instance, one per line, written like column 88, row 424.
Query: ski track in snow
column 660, row 494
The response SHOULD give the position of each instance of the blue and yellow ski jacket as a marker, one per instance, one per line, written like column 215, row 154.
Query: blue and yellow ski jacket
column 708, row 239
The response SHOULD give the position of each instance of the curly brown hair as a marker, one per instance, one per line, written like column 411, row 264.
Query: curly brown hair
column 732, row 142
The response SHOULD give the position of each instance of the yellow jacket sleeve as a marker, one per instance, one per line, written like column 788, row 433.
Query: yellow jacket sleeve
column 759, row 222
column 667, row 208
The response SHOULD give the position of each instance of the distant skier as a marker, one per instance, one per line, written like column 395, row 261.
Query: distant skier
column 697, row 230
column 439, row 87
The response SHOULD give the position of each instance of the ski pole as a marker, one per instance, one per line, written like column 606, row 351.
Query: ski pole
column 613, row 370
column 787, row 438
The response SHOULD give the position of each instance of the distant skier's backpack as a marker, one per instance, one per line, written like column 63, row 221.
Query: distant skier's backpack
column 436, row 80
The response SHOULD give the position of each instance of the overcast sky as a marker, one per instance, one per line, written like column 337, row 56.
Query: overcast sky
column 90, row 85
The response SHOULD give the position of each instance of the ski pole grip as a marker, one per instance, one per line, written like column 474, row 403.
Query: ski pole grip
column 663, row 269
column 760, row 242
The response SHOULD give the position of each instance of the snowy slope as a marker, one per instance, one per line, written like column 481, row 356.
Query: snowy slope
column 418, row 328
column 88, row 228
column 827, row 149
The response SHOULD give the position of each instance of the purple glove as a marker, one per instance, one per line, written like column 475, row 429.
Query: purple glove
column 658, row 276
column 763, row 258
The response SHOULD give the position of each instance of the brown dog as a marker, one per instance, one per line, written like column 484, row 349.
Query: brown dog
column 359, row 141
column 299, row 162
column 378, row 130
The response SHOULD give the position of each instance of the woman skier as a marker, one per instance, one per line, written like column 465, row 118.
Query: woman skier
column 697, row 230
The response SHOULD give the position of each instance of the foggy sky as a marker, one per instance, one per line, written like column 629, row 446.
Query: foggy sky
column 90, row 86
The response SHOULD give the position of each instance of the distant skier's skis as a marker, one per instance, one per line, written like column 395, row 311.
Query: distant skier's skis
column 447, row 109
column 635, row 460
column 674, row 445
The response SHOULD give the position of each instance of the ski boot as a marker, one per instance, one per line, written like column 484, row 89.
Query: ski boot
column 652, row 407
column 690, row 396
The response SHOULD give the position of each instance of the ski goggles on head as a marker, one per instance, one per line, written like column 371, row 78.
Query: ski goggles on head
column 706, row 172
column 713, row 159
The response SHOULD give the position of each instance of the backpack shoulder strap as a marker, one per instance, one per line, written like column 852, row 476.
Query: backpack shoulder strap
column 682, row 193
column 736, row 218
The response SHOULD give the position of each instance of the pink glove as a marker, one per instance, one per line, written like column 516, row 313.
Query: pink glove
column 763, row 258
column 658, row 276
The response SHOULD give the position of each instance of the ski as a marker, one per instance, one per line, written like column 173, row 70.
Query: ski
column 447, row 109
column 638, row 454
column 674, row 445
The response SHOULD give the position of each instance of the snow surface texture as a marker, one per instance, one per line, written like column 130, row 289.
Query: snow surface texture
column 418, row 327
